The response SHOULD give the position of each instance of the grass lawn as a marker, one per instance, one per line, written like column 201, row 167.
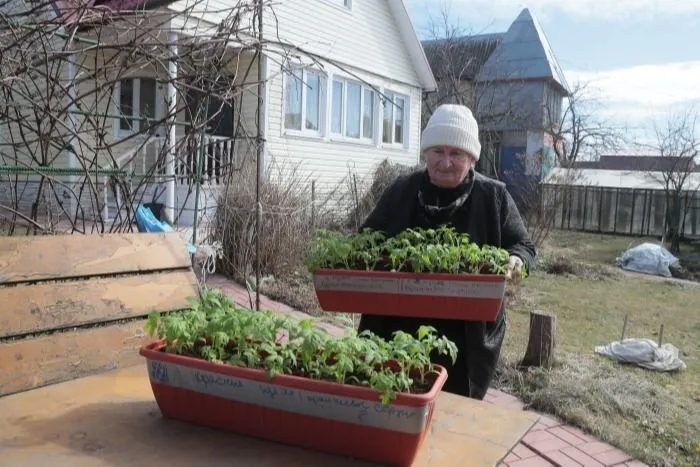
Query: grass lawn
column 655, row 416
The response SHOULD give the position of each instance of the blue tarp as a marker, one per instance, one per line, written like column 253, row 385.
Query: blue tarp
column 147, row 222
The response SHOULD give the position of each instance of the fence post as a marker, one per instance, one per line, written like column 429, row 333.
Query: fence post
column 585, row 208
column 644, row 213
column 685, row 215
column 617, row 206
column 634, row 200
column 600, row 208
column 571, row 207
column 649, row 208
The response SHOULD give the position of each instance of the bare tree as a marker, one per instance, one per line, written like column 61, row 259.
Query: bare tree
column 677, row 145
column 579, row 130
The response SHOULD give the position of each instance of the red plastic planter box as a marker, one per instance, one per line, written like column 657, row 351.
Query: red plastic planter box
column 476, row 297
column 324, row 416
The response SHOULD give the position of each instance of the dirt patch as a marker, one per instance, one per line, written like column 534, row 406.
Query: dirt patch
column 566, row 265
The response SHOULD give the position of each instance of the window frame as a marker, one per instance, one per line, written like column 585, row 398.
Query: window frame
column 322, row 102
column 405, row 133
column 158, row 97
column 343, row 4
column 343, row 136
column 191, row 93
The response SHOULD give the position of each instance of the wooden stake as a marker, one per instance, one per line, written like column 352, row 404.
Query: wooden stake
column 624, row 329
column 661, row 334
column 540, row 347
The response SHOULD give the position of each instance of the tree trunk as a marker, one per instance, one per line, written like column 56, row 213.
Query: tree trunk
column 540, row 348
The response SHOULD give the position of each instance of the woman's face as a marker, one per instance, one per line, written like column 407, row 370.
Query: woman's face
column 447, row 166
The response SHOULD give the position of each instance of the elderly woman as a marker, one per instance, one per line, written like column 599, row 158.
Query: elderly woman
column 450, row 192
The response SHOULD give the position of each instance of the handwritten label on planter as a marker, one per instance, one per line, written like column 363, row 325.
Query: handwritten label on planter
column 315, row 404
column 159, row 371
column 387, row 285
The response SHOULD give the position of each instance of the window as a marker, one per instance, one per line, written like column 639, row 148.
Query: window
column 394, row 119
column 352, row 110
column 137, row 104
column 303, row 101
column 207, row 107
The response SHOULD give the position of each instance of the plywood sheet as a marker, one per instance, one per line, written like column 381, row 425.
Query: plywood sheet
column 54, row 257
column 34, row 362
column 112, row 419
column 46, row 306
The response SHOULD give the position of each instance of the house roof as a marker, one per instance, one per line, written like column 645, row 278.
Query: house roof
column 524, row 53
column 413, row 45
column 638, row 163
column 460, row 57
column 614, row 179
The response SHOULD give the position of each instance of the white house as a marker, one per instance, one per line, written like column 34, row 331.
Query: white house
column 342, row 86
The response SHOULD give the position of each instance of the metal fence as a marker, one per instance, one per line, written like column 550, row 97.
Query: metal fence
column 625, row 211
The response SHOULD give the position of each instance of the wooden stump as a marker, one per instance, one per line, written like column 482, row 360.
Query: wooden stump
column 540, row 347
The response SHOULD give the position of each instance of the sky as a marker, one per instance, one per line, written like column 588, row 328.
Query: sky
column 640, row 57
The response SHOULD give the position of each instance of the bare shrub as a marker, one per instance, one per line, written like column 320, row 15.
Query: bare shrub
column 385, row 173
column 285, row 195
column 563, row 265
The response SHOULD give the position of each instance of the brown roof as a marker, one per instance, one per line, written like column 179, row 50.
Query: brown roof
column 640, row 164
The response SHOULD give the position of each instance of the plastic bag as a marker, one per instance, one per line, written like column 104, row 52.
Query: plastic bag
column 644, row 353
column 647, row 258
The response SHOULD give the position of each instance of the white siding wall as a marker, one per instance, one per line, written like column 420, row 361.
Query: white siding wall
column 327, row 158
column 362, row 43
column 365, row 36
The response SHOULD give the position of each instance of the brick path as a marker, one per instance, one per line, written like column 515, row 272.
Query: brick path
column 549, row 442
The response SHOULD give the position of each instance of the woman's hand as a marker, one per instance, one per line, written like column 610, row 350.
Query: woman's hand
column 515, row 268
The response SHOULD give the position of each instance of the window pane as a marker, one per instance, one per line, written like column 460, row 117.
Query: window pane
column 368, row 114
column 398, row 122
column 387, row 122
column 147, row 103
column 126, row 103
column 292, row 104
column 352, row 118
column 337, row 110
column 313, row 90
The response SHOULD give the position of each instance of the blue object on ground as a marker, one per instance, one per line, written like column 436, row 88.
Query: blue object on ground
column 147, row 222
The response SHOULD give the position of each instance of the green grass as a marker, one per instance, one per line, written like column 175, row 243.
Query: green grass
column 654, row 416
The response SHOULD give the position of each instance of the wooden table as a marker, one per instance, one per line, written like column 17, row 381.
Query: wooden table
column 112, row 419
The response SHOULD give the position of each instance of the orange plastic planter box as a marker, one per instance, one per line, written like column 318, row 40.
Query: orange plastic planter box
column 335, row 418
column 472, row 297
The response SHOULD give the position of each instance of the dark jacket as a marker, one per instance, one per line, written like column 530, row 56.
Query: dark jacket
column 486, row 211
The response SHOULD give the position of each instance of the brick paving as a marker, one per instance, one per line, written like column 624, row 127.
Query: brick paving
column 550, row 442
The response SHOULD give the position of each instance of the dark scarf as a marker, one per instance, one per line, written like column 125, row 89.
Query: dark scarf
column 437, row 205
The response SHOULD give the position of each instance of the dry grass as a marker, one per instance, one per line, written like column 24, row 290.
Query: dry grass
column 654, row 416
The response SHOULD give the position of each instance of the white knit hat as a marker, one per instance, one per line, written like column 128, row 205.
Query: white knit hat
column 452, row 125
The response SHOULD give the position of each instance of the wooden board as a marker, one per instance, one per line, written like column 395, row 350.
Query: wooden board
column 46, row 306
column 31, row 363
column 25, row 259
column 112, row 419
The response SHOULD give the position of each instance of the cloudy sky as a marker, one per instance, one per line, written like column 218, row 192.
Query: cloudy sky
column 641, row 56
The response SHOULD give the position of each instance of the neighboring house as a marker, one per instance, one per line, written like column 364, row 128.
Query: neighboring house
column 515, row 86
column 355, row 104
